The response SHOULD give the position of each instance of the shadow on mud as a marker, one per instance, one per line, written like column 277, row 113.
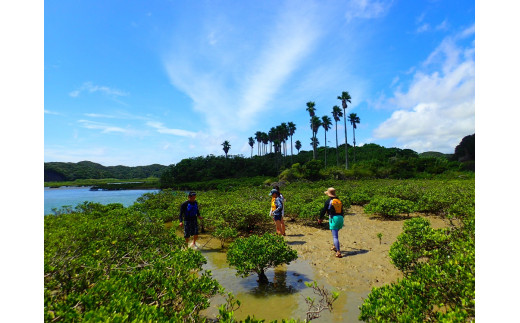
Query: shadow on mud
column 354, row 252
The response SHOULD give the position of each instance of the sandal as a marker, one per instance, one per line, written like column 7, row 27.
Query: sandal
column 338, row 255
column 333, row 249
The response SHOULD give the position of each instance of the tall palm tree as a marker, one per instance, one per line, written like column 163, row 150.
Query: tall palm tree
column 326, row 122
column 298, row 145
column 292, row 129
column 314, row 141
column 311, row 108
column 353, row 119
column 265, row 141
column 336, row 114
column 251, row 143
column 226, row 146
column 345, row 97
column 315, row 126
column 258, row 137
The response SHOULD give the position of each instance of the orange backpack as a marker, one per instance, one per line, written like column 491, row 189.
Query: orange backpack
column 335, row 207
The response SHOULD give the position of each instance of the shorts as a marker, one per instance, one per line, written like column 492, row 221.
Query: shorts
column 335, row 222
column 191, row 228
column 277, row 217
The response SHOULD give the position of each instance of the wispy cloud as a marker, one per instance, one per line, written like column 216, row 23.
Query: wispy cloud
column 232, row 99
column 91, row 88
column 97, row 115
column 438, row 108
column 45, row 111
column 176, row 132
column 367, row 9
column 108, row 128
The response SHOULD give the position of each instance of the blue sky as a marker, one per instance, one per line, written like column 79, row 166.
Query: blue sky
column 142, row 82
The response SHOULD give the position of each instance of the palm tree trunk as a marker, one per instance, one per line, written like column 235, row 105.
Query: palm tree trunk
column 291, row 150
column 337, row 156
column 325, row 149
column 314, row 145
column 354, row 134
column 346, row 148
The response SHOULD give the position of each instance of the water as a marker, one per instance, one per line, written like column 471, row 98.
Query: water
column 283, row 297
column 72, row 196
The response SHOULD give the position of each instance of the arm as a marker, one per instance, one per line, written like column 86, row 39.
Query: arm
column 279, row 206
column 324, row 210
column 182, row 212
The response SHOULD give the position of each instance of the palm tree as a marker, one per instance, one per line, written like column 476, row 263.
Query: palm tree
column 314, row 141
column 345, row 97
column 298, row 145
column 315, row 126
column 258, row 137
column 226, row 146
column 326, row 122
column 292, row 129
column 265, row 141
column 310, row 108
column 251, row 143
column 353, row 119
column 336, row 114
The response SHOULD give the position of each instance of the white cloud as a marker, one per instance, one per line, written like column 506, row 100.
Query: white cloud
column 438, row 108
column 264, row 70
column 91, row 88
column 106, row 128
column 177, row 132
column 367, row 9
column 423, row 28
column 45, row 111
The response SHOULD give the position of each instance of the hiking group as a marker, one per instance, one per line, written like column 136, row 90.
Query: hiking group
column 333, row 207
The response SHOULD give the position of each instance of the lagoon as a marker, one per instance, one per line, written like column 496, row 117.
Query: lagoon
column 72, row 196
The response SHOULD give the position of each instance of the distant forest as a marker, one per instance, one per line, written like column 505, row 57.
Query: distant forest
column 58, row 171
column 367, row 161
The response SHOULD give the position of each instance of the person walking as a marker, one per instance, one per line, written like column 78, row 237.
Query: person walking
column 188, row 218
column 334, row 208
column 276, row 211
column 282, row 222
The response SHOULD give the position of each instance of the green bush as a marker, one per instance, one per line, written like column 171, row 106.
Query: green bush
column 439, row 276
column 255, row 254
column 117, row 264
column 389, row 206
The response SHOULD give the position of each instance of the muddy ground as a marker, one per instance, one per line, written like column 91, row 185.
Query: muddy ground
column 365, row 263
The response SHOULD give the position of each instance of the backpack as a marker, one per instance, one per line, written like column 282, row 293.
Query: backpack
column 335, row 207
column 191, row 210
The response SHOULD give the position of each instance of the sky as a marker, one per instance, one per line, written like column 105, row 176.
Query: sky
column 142, row 82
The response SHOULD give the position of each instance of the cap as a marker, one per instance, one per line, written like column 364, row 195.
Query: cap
column 273, row 191
column 192, row 194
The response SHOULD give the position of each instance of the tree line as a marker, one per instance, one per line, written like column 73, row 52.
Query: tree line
column 60, row 171
column 277, row 137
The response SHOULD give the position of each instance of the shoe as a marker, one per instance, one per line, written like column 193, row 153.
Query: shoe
column 333, row 249
column 194, row 246
column 338, row 255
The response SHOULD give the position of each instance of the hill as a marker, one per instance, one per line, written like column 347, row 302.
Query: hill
column 60, row 171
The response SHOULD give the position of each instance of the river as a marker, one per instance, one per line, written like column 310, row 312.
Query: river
column 72, row 196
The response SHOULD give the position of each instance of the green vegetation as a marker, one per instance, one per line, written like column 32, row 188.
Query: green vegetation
column 64, row 172
column 115, row 263
column 110, row 263
column 439, row 276
column 255, row 254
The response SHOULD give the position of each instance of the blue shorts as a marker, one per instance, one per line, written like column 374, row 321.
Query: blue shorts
column 191, row 228
column 277, row 217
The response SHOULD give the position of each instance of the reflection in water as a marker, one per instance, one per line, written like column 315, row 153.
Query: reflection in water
column 279, row 284
column 282, row 298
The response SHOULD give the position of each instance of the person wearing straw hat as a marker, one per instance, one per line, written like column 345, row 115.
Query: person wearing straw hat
column 334, row 208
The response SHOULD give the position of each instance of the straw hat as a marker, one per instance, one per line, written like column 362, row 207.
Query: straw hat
column 331, row 191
